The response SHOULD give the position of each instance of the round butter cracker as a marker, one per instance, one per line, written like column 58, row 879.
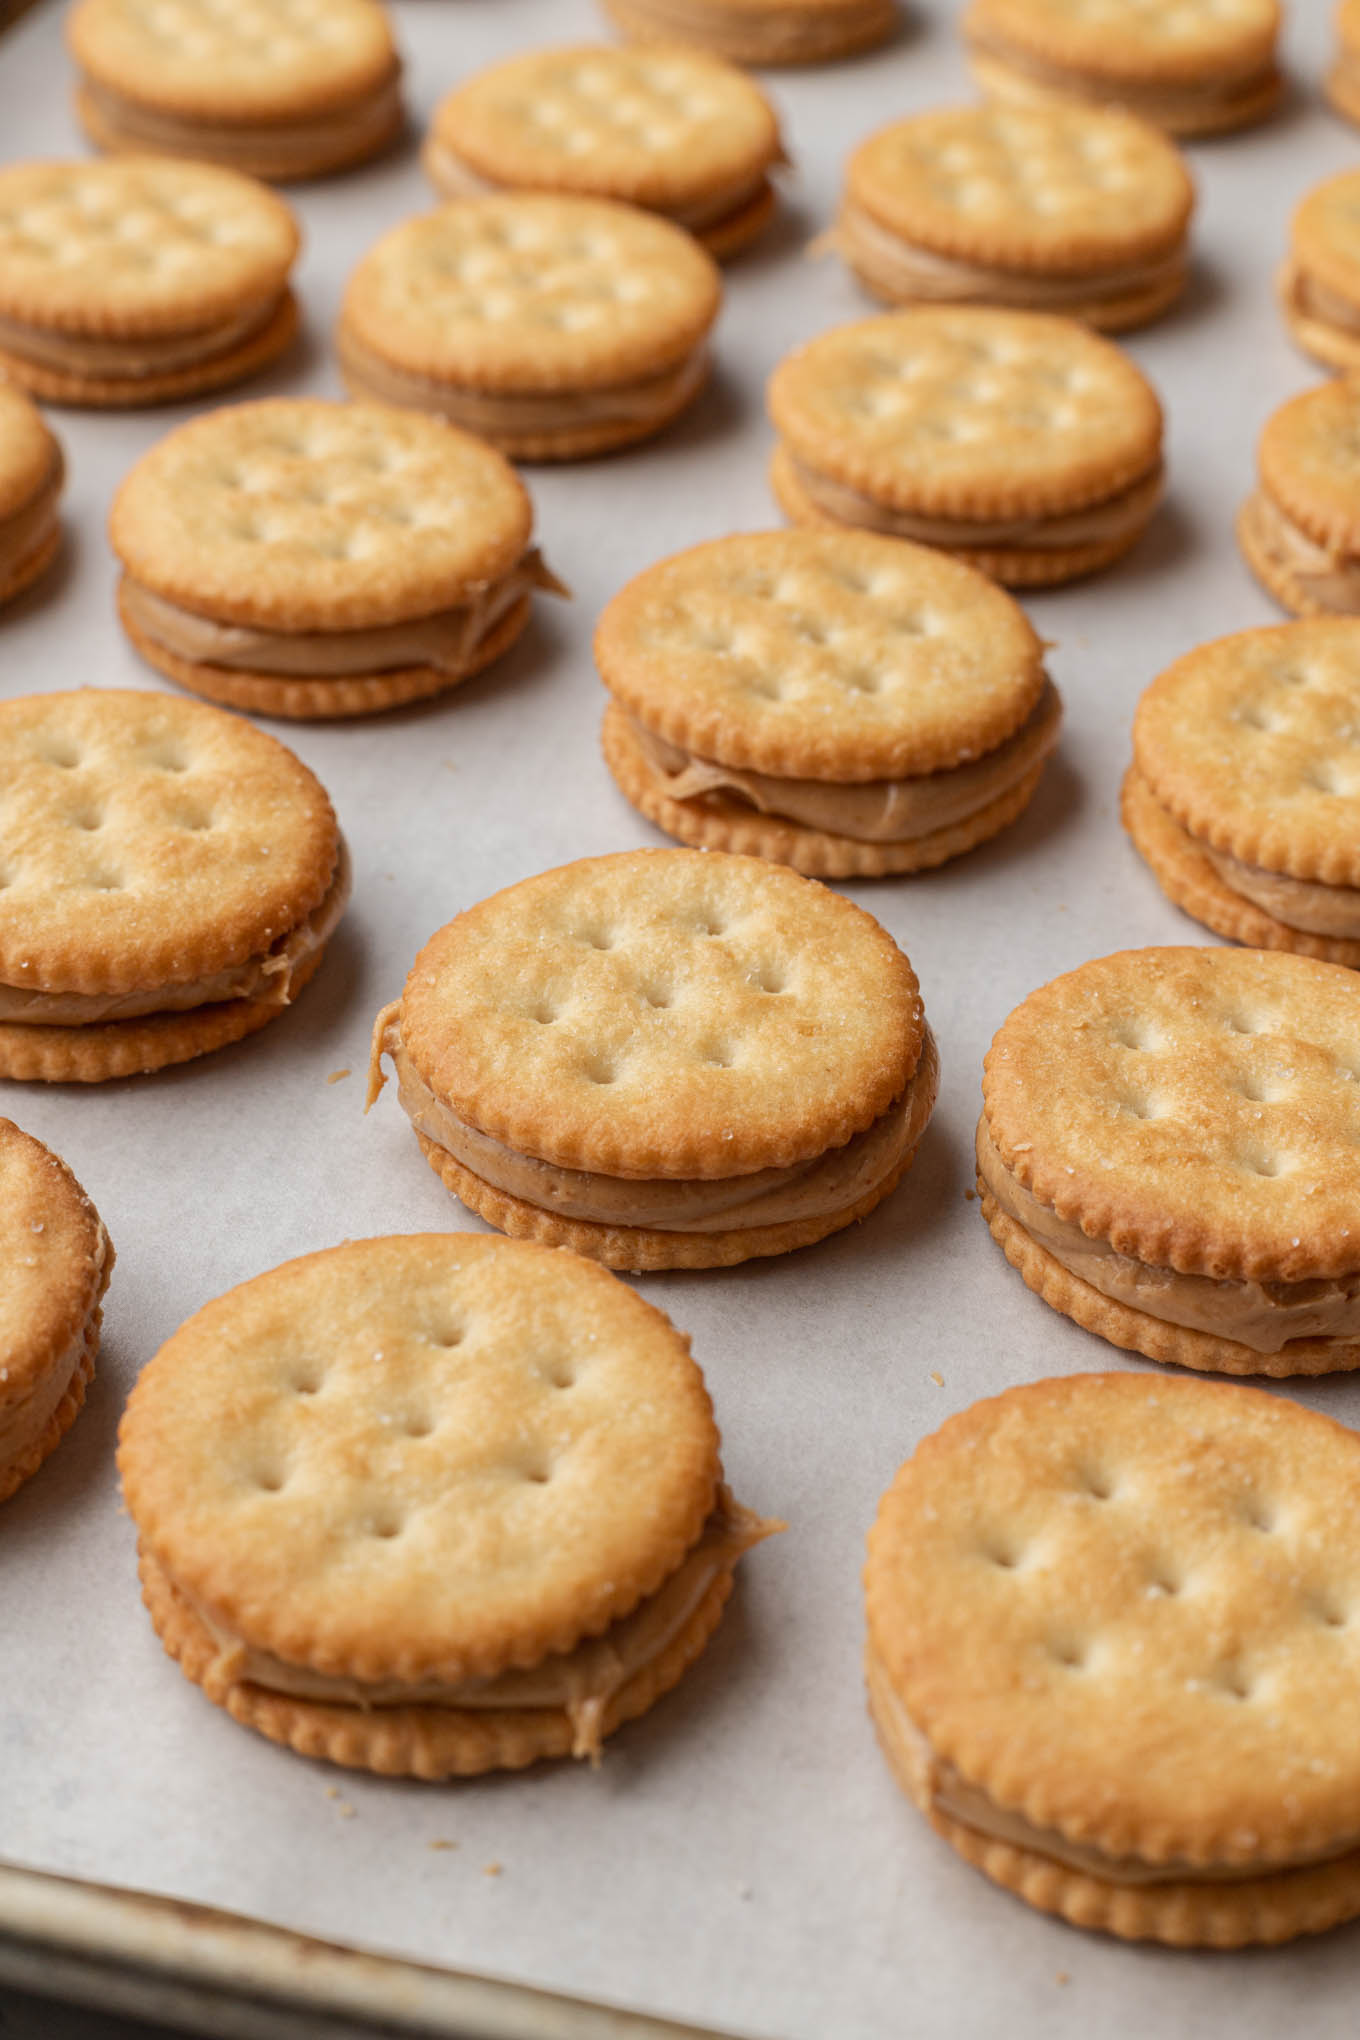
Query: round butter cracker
column 1110, row 1633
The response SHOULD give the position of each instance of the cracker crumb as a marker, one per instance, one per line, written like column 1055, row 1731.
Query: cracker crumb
column 345, row 1810
column 970, row 1196
column 1062, row 1977
column 491, row 1869
column 443, row 1845
column 338, row 1076
column 937, row 1377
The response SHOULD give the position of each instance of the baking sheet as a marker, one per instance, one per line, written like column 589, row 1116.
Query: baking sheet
column 742, row 1858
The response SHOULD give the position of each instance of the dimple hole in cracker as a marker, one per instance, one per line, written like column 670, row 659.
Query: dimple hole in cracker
column 1232, row 1681
column 57, row 751
column 1002, row 1552
column 1068, row 1651
column 307, row 1377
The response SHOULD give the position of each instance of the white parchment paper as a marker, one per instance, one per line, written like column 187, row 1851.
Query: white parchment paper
column 742, row 1858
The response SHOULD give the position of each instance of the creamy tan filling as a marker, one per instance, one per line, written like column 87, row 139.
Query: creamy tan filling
column 906, row 271
column 28, row 529
column 457, row 179
column 1297, row 902
column 517, row 411
column 784, row 35
column 1119, row 516
column 1333, row 579
column 24, row 1422
column 338, row 130
column 581, row 1682
column 1262, row 1315
column 446, row 641
column 267, row 979
column 937, row 1785
column 1313, row 300
column 828, row 1183
column 147, row 355
column 877, row 811
column 1161, row 103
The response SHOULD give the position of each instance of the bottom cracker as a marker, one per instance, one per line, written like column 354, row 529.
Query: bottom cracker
column 1032, row 567
column 123, row 392
column 1135, row 1332
column 318, row 700
column 134, row 1048
column 719, row 822
column 1188, row 879
column 412, row 1742
column 1215, row 117
column 13, row 1476
column 637, row 1248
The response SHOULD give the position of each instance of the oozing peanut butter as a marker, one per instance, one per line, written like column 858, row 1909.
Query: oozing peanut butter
column 335, row 135
column 1331, row 578
column 901, row 271
column 512, row 412
column 1264, row 1316
column 446, row 640
column 581, row 1682
column 1013, row 73
column 457, row 179
column 828, row 1183
column 875, row 811
column 937, row 1786
column 151, row 354
column 266, row 979
column 1122, row 515
column 1310, row 299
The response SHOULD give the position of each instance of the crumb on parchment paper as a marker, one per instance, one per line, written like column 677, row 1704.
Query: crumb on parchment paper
column 937, row 1377
column 338, row 1076
column 442, row 1845
column 491, row 1869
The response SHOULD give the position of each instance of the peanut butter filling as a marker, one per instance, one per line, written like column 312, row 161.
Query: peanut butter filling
column 267, row 979
column 457, row 179
column 830, row 1182
column 937, row 1787
column 581, row 1682
column 1309, row 299
column 1264, row 1316
column 876, row 811
column 507, row 413
column 26, row 530
column 1006, row 70
column 1297, row 902
column 447, row 641
column 151, row 354
column 24, row 1421
column 1332, row 579
column 337, row 133
column 905, row 272
column 1122, row 515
